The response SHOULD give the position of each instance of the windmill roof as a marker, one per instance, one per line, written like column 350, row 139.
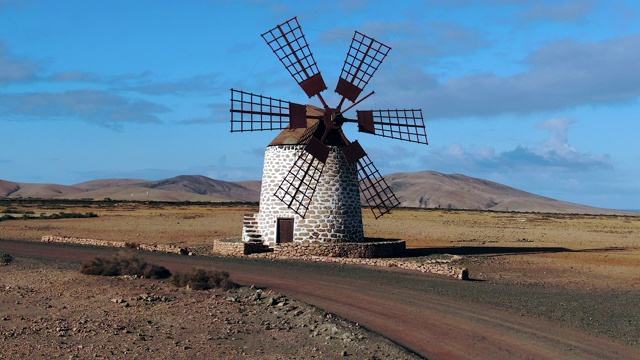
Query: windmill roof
column 300, row 135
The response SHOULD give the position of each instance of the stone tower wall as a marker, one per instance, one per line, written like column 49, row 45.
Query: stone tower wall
column 334, row 214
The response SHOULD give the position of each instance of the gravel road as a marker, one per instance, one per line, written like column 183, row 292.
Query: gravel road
column 434, row 317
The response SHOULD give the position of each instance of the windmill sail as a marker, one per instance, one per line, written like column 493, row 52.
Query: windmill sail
column 251, row 112
column 374, row 188
column 297, row 188
column 288, row 43
column 363, row 59
column 407, row 125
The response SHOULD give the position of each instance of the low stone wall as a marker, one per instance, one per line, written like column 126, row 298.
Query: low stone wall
column 237, row 247
column 384, row 253
column 228, row 247
column 440, row 267
column 382, row 249
column 121, row 244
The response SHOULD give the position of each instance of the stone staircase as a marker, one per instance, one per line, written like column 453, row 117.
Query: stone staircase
column 250, row 231
column 251, row 236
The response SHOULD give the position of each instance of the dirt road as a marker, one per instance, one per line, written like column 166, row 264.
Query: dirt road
column 401, row 305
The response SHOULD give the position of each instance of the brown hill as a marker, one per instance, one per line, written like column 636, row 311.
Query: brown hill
column 7, row 188
column 180, row 188
column 107, row 183
column 202, row 185
column 44, row 191
column 430, row 189
column 427, row 189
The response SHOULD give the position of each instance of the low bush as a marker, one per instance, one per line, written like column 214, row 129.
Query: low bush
column 5, row 259
column 201, row 279
column 124, row 264
column 64, row 215
column 30, row 215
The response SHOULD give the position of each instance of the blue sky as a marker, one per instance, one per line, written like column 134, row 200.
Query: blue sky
column 542, row 96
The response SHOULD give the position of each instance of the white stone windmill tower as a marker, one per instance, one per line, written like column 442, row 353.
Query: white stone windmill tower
column 313, row 174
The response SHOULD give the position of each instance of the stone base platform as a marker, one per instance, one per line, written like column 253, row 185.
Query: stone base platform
column 373, row 249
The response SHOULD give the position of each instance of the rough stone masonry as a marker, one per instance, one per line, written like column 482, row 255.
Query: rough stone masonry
column 334, row 213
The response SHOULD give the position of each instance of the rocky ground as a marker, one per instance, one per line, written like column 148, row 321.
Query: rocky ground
column 576, row 270
column 50, row 310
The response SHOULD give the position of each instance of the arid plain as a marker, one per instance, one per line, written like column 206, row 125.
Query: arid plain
column 595, row 256
column 596, row 251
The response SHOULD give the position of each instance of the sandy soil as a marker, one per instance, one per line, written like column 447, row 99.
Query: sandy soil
column 580, row 271
column 584, row 251
column 130, row 318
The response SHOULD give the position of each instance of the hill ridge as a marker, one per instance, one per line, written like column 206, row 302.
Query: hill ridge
column 425, row 189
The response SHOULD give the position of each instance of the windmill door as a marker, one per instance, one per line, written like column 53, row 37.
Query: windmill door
column 284, row 231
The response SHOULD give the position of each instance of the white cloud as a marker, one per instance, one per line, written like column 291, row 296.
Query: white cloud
column 554, row 154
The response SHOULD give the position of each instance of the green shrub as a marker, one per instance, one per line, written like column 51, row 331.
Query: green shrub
column 201, row 279
column 124, row 264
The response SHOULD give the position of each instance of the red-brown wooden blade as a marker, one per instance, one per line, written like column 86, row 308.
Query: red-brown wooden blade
column 290, row 46
column 297, row 189
column 407, row 125
column 251, row 112
column 374, row 188
column 353, row 152
column 363, row 59
column 317, row 149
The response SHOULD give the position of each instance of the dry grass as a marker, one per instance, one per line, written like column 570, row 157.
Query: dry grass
column 124, row 264
column 571, row 250
column 201, row 279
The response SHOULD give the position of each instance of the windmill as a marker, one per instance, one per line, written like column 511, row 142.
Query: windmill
column 313, row 175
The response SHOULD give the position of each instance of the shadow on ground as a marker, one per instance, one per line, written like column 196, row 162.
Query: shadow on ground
column 497, row 250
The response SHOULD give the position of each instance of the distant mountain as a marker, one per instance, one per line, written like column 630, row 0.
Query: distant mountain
column 45, row 191
column 179, row 188
column 431, row 189
column 427, row 189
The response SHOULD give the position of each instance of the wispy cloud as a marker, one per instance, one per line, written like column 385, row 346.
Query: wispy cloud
column 200, row 84
column 74, row 76
column 567, row 11
column 94, row 106
column 414, row 41
column 562, row 75
column 108, row 101
column 13, row 68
